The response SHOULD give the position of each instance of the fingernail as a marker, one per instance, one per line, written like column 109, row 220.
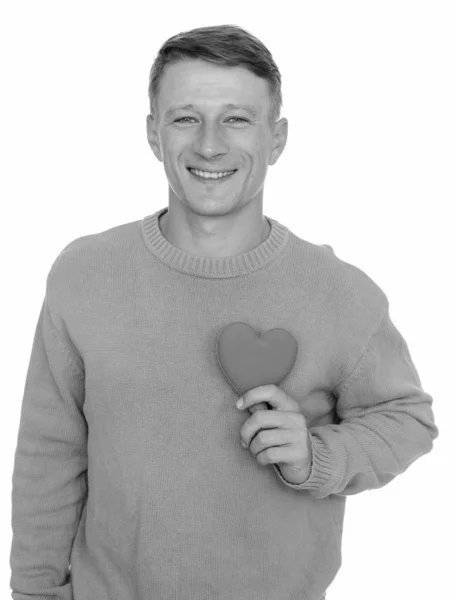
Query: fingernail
column 240, row 403
column 242, row 443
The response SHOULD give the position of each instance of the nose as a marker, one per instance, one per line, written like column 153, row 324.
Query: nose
column 210, row 140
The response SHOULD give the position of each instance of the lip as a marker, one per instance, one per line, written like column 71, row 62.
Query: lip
column 211, row 180
column 209, row 171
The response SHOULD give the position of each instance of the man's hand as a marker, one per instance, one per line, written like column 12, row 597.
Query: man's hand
column 277, row 436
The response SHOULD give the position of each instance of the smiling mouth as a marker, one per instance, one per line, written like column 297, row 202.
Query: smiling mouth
column 211, row 179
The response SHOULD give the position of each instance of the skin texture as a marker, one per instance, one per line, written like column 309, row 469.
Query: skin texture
column 214, row 219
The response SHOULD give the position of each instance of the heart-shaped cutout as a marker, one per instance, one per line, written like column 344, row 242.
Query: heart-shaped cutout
column 248, row 360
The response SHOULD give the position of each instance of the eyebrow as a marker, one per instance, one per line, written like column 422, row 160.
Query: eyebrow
column 248, row 107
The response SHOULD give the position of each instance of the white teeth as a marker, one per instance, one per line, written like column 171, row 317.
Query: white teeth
column 210, row 175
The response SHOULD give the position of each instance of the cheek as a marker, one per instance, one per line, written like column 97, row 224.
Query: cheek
column 173, row 147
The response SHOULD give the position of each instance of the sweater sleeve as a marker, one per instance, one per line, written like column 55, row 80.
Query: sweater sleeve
column 50, row 465
column 386, row 422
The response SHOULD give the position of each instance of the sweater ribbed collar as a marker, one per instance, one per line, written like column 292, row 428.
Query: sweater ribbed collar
column 205, row 266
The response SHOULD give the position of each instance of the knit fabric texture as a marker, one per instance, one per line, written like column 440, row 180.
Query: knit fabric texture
column 129, row 480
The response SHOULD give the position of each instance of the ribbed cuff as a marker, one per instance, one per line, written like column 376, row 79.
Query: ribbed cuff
column 321, row 467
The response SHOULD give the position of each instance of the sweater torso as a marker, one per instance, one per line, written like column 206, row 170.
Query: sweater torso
column 173, row 497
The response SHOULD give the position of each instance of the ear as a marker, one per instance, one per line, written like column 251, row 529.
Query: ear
column 152, row 137
column 280, row 139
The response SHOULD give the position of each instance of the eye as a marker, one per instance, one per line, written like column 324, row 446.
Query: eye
column 183, row 118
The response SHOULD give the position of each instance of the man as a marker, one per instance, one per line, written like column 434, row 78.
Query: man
column 128, row 462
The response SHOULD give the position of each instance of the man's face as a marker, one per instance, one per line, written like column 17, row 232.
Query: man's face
column 213, row 137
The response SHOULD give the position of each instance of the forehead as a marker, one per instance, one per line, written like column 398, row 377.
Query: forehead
column 197, row 84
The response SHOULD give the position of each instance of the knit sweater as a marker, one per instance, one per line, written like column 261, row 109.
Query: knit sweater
column 129, row 480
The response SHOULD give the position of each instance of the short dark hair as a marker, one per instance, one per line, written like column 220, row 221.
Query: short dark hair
column 227, row 45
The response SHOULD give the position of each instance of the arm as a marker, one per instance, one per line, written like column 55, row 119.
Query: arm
column 49, row 476
column 386, row 421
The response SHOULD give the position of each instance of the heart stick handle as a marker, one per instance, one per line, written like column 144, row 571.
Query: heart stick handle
column 259, row 406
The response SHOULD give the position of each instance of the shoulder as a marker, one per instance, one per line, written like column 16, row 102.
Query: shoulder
column 86, row 260
column 354, row 302
column 93, row 247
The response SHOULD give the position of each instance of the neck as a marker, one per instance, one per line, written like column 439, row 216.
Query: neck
column 216, row 244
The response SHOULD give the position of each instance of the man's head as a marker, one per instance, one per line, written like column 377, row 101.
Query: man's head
column 210, row 68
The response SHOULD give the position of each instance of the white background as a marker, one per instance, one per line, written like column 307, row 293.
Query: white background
column 366, row 170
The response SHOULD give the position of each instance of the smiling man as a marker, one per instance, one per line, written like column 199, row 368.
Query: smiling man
column 130, row 481
column 214, row 133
